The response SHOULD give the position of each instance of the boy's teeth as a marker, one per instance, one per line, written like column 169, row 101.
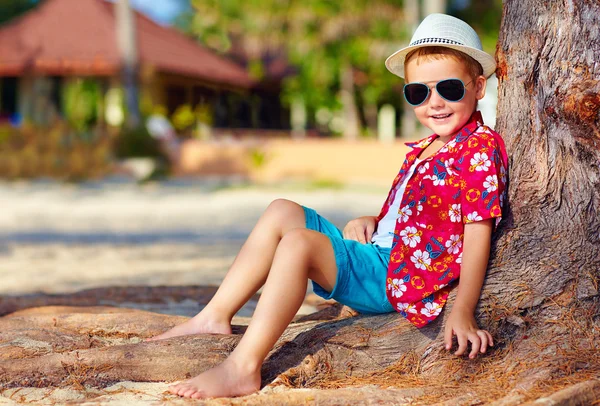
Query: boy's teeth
column 442, row 116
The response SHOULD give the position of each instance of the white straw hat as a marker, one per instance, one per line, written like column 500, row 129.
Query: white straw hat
column 446, row 31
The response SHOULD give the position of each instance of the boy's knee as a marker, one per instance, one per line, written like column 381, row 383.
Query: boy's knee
column 283, row 208
column 278, row 204
column 299, row 240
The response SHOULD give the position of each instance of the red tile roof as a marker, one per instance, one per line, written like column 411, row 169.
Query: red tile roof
column 77, row 37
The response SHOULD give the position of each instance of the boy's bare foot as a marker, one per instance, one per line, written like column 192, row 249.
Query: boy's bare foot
column 199, row 324
column 225, row 380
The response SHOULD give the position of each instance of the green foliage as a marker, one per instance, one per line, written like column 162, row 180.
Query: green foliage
column 137, row 143
column 57, row 151
column 319, row 37
column 258, row 158
column 326, row 184
column 183, row 117
column 484, row 16
column 10, row 9
column 5, row 133
column 81, row 98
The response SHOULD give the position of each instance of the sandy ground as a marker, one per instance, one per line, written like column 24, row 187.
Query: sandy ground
column 58, row 238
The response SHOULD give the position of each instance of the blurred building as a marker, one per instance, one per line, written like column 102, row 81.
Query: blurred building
column 65, row 42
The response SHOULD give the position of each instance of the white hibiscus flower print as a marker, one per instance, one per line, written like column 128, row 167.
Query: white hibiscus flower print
column 481, row 162
column 454, row 244
column 422, row 143
column 454, row 213
column 459, row 259
column 421, row 259
column 449, row 164
column 474, row 216
column 397, row 287
column 436, row 181
column 447, row 147
column 485, row 130
column 410, row 236
column 491, row 183
column 431, row 309
column 404, row 213
column 406, row 308
column 423, row 168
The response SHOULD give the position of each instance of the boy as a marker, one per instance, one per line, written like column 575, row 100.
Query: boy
column 435, row 224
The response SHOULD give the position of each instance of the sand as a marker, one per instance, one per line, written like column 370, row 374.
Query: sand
column 61, row 238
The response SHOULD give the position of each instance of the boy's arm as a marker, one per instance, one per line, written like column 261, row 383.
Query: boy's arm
column 461, row 322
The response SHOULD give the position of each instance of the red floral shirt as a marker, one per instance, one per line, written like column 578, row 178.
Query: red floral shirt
column 463, row 182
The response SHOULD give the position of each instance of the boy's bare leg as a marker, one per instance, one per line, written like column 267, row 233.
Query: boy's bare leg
column 247, row 273
column 301, row 254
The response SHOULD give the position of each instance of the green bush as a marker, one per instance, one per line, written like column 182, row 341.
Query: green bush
column 137, row 143
column 57, row 151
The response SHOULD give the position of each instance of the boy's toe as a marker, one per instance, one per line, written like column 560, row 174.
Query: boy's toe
column 174, row 385
column 180, row 389
column 189, row 392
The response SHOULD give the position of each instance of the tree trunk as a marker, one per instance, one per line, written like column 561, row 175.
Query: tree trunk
column 434, row 6
column 540, row 300
column 408, row 121
column 548, row 55
column 126, row 39
column 350, row 111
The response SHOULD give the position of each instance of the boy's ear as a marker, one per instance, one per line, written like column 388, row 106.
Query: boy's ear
column 480, row 83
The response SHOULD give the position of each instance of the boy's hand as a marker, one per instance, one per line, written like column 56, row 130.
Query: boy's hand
column 360, row 229
column 463, row 325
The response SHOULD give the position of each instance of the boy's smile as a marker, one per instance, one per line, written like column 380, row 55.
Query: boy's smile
column 443, row 117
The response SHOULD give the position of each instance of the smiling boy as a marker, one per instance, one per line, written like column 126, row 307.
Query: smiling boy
column 434, row 226
column 453, row 197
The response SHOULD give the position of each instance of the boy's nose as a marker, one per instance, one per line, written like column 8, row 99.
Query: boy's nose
column 435, row 99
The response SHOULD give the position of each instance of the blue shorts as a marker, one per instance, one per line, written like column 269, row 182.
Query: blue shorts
column 361, row 269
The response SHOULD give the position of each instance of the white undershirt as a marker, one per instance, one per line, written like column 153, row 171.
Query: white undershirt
column 385, row 228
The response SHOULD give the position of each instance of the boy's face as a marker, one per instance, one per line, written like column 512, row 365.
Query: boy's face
column 443, row 117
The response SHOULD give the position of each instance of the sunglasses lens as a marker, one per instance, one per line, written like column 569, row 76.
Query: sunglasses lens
column 452, row 89
column 416, row 93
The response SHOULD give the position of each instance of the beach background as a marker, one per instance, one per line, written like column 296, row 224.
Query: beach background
column 140, row 141
column 58, row 238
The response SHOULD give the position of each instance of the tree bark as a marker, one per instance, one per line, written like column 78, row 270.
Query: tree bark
column 348, row 99
column 540, row 300
column 408, row 121
column 548, row 57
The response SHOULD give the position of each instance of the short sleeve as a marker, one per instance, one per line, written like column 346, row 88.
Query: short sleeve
column 483, row 175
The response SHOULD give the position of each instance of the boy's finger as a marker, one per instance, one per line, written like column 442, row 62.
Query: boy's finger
column 491, row 339
column 448, row 338
column 462, row 344
column 475, row 345
column 484, row 340
column 350, row 234
column 360, row 234
column 370, row 229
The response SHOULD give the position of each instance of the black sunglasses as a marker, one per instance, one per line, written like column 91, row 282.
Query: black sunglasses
column 452, row 90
